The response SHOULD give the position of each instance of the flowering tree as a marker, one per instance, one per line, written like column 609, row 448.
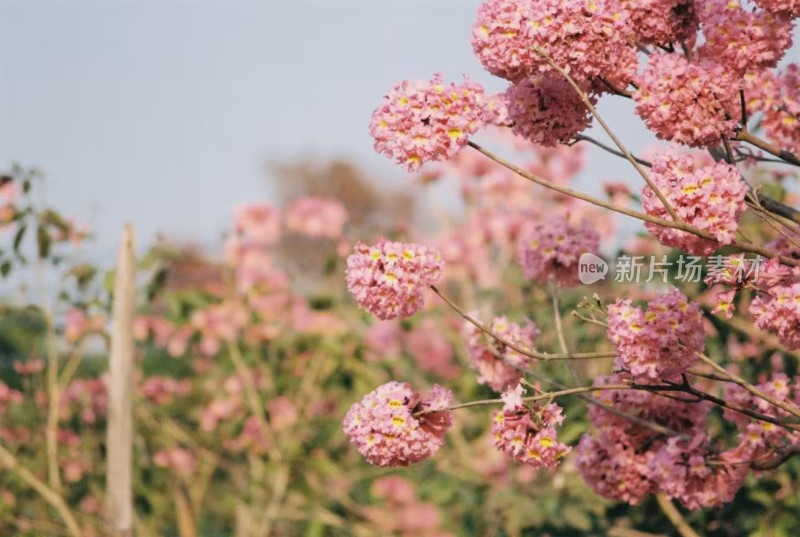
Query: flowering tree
column 508, row 390
column 703, row 77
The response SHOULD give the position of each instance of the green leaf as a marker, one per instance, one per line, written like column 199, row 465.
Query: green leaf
column 43, row 241
column 5, row 268
column 18, row 238
column 83, row 274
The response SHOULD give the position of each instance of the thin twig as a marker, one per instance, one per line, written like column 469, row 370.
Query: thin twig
column 562, row 339
column 791, row 409
column 525, row 352
column 772, row 149
column 674, row 516
column 588, row 103
column 626, row 211
column 48, row 494
column 601, row 145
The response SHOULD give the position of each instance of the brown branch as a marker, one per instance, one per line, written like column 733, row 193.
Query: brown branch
column 772, row 149
column 588, row 103
column 674, row 516
column 629, row 212
column 525, row 352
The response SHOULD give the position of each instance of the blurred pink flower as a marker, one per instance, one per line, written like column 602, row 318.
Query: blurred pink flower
column 181, row 461
column 259, row 223
column 30, row 366
column 431, row 349
column 316, row 217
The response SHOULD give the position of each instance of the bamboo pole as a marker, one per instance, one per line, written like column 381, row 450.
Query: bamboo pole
column 119, row 437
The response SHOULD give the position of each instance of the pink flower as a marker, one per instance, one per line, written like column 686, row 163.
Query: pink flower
column 9, row 193
column 427, row 121
column 614, row 469
column 499, row 366
column 743, row 41
column 512, row 398
column 28, row 367
column 395, row 426
column 497, row 110
column 388, row 279
column 781, row 121
column 180, row 460
column 588, row 39
column 760, row 439
column 316, row 217
column 145, row 326
column 690, row 472
column 218, row 323
column 382, row 341
column 710, row 198
column 527, row 434
column 395, row 489
column 550, row 250
column 9, row 395
column 689, row 418
column 686, row 102
column 87, row 398
column 77, row 324
column 431, row 349
column 659, row 343
column 724, row 302
column 789, row 8
column 546, row 110
column 776, row 306
column 502, row 38
column 282, row 412
column 162, row 390
column 259, row 223
column 661, row 22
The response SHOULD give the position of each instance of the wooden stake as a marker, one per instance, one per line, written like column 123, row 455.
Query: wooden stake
column 119, row 438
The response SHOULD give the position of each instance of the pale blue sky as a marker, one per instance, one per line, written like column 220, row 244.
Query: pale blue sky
column 164, row 113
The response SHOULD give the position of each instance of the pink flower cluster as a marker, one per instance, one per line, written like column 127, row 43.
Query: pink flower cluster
column 163, row 390
column 741, row 40
column 9, row 193
column 781, row 121
column 316, row 217
column 776, row 306
column 626, row 460
column 259, row 223
column 546, row 110
column 709, row 197
column 218, row 324
column 550, row 249
column 427, row 121
column 8, row 396
column 686, row 101
column 499, row 366
column 431, row 349
column 643, row 405
column 661, row 22
column 86, row 398
column 695, row 474
column 501, row 38
column 660, row 342
column 528, row 435
column 780, row 7
column 589, row 39
column 402, row 513
column 760, row 439
column 613, row 469
column 180, row 460
column 78, row 324
column 395, row 426
column 388, row 279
